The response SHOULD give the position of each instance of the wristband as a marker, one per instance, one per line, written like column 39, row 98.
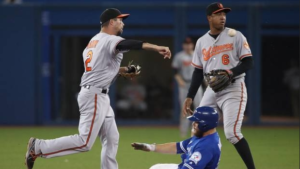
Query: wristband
column 150, row 147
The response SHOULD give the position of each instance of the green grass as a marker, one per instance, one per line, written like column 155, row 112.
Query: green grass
column 272, row 148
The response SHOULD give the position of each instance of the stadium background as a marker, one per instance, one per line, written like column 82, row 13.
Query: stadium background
column 41, row 65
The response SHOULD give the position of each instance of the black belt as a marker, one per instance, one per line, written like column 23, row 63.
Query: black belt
column 104, row 91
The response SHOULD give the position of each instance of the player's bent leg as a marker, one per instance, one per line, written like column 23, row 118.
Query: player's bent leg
column 233, row 114
column 233, row 101
column 92, row 107
column 164, row 166
column 109, row 136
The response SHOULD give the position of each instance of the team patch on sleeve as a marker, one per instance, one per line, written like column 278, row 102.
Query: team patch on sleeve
column 246, row 45
column 195, row 157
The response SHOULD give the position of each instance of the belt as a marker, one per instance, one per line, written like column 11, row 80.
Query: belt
column 104, row 91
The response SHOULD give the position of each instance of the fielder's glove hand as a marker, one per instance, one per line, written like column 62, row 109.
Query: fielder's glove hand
column 133, row 71
column 143, row 146
column 219, row 79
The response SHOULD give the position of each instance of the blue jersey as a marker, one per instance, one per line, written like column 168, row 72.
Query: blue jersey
column 200, row 153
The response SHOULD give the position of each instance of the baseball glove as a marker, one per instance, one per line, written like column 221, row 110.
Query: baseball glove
column 133, row 71
column 219, row 79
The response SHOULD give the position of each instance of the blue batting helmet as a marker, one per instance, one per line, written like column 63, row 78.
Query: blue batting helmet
column 206, row 117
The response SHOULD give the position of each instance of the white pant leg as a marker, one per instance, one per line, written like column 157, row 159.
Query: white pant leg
column 184, row 124
column 109, row 136
column 233, row 101
column 164, row 166
column 209, row 98
column 93, row 109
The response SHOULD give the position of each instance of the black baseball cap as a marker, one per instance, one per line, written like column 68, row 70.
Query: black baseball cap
column 215, row 8
column 188, row 40
column 111, row 13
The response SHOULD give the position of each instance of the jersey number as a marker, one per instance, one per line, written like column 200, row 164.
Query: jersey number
column 225, row 59
column 88, row 60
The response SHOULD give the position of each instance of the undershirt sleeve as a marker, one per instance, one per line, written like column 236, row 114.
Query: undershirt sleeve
column 129, row 44
column 196, row 82
column 245, row 64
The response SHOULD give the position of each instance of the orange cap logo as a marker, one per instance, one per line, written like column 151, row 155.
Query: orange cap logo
column 220, row 5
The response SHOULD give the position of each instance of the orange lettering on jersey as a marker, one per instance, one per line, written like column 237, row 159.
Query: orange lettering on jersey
column 206, row 54
column 92, row 44
column 216, row 50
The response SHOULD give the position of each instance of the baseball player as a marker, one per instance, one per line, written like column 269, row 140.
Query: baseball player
column 183, row 75
column 102, row 58
column 201, row 151
column 223, row 55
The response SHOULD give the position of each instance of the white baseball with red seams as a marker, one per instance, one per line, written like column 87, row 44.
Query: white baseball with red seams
column 224, row 52
column 102, row 63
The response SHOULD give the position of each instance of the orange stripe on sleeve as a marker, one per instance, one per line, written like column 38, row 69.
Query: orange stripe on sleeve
column 197, row 66
column 246, row 55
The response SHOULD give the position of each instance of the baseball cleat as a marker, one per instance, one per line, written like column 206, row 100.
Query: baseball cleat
column 30, row 154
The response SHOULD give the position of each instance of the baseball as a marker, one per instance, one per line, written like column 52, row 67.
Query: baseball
column 231, row 32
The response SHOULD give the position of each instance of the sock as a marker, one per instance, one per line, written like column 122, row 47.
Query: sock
column 243, row 149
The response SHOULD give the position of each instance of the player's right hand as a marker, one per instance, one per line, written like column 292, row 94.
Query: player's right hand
column 187, row 107
column 141, row 146
column 165, row 51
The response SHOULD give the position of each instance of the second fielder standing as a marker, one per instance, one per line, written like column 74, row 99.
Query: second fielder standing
column 183, row 75
column 226, row 52
column 102, row 58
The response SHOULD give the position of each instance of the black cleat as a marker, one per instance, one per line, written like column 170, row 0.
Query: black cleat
column 30, row 154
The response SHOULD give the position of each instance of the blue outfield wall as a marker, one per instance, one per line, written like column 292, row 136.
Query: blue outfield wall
column 23, row 52
column 18, row 70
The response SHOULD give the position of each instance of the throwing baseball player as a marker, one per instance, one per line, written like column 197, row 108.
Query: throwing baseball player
column 223, row 56
column 201, row 151
column 102, row 58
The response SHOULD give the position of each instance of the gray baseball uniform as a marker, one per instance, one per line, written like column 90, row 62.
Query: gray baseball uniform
column 224, row 52
column 182, row 62
column 102, row 63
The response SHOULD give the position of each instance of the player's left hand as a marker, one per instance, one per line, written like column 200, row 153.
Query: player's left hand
column 132, row 71
column 219, row 79
column 143, row 146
